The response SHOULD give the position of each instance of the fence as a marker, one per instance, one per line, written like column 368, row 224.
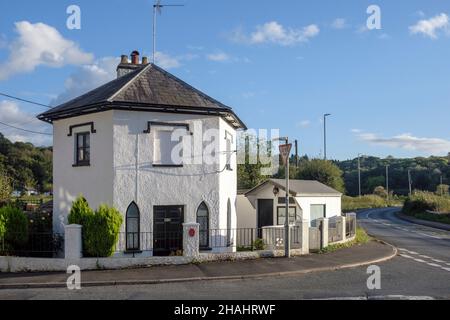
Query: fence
column 134, row 241
column 43, row 245
column 251, row 239
column 335, row 230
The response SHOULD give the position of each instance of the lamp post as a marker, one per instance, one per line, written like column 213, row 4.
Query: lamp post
column 325, row 134
column 359, row 174
column 387, row 182
column 285, row 152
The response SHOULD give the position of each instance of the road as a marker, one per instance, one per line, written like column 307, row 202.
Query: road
column 421, row 271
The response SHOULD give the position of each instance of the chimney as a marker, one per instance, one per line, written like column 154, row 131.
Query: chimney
column 135, row 57
column 126, row 66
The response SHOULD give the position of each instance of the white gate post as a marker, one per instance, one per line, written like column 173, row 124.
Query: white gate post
column 191, row 240
column 304, row 229
column 343, row 230
column 73, row 244
column 324, row 232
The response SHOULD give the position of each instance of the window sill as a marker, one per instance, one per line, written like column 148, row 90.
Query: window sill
column 167, row 165
column 76, row 165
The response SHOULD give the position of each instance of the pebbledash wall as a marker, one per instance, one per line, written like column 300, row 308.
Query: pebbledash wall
column 121, row 169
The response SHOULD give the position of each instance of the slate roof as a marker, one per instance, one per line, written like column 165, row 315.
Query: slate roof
column 300, row 187
column 148, row 88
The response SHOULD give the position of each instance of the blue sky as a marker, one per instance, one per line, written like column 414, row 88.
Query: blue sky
column 278, row 64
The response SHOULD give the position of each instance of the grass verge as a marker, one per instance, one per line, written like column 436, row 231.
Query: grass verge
column 361, row 238
column 442, row 218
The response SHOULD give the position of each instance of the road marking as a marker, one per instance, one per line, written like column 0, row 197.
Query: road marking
column 439, row 261
column 446, row 269
column 421, row 261
column 434, row 265
column 427, row 257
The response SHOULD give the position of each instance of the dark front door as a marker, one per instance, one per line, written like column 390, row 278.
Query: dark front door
column 265, row 214
column 167, row 230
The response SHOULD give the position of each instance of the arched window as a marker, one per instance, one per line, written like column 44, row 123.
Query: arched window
column 132, row 227
column 229, row 223
column 203, row 220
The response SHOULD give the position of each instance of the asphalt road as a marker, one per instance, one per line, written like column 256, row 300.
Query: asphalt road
column 421, row 271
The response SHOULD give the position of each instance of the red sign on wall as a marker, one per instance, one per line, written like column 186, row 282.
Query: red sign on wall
column 191, row 232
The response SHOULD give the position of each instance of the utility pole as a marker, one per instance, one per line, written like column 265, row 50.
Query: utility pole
column 387, row 181
column 359, row 174
column 325, row 134
column 410, row 182
column 296, row 153
column 285, row 151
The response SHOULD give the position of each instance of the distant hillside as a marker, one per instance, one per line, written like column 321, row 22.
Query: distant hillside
column 27, row 165
column 426, row 173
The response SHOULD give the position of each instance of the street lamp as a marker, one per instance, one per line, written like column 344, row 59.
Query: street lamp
column 325, row 134
column 287, row 243
column 387, row 182
column 359, row 173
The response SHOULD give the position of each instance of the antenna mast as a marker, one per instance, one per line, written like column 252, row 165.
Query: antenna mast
column 157, row 9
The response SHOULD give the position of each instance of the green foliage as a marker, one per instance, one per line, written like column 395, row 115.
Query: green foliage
column 442, row 190
column 441, row 218
column 100, row 228
column 259, row 244
column 323, row 171
column 380, row 191
column 14, row 225
column 5, row 187
column 422, row 201
column 425, row 173
column 361, row 238
column 25, row 164
column 80, row 211
column 350, row 204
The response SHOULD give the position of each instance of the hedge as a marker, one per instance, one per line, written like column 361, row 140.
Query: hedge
column 13, row 226
column 422, row 201
column 100, row 228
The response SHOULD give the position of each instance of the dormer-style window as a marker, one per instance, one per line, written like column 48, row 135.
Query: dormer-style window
column 82, row 149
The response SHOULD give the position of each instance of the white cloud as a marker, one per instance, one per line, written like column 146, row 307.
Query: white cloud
column 218, row 57
column 431, row 146
column 339, row 23
column 304, row 124
column 166, row 61
column 11, row 114
column 88, row 77
column 40, row 44
column 430, row 27
column 275, row 33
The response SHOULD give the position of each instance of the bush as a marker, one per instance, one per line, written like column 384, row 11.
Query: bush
column 422, row 201
column 14, row 226
column 80, row 212
column 365, row 202
column 101, row 231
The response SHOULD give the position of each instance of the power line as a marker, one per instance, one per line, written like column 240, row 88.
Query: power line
column 26, row 130
column 24, row 100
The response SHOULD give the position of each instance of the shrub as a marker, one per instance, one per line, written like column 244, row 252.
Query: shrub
column 258, row 244
column 101, row 231
column 80, row 212
column 365, row 202
column 15, row 226
column 422, row 201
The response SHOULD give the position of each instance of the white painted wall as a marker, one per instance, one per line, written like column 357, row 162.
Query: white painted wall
column 122, row 169
column 94, row 182
column 247, row 207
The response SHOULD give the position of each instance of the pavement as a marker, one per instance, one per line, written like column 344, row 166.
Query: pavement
column 370, row 253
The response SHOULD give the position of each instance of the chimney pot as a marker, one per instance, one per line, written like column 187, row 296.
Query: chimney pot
column 144, row 60
column 123, row 59
column 135, row 57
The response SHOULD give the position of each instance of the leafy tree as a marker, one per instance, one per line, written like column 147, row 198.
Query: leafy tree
column 15, row 225
column 323, row 171
column 5, row 188
column 380, row 191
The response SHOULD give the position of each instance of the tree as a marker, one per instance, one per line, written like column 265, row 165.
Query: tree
column 442, row 190
column 323, row 171
column 380, row 191
column 5, row 188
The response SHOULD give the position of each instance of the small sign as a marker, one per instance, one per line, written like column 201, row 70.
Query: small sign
column 191, row 232
column 285, row 151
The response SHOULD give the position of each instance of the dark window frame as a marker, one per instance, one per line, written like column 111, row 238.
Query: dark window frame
column 127, row 248
column 203, row 245
column 284, row 208
column 86, row 161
